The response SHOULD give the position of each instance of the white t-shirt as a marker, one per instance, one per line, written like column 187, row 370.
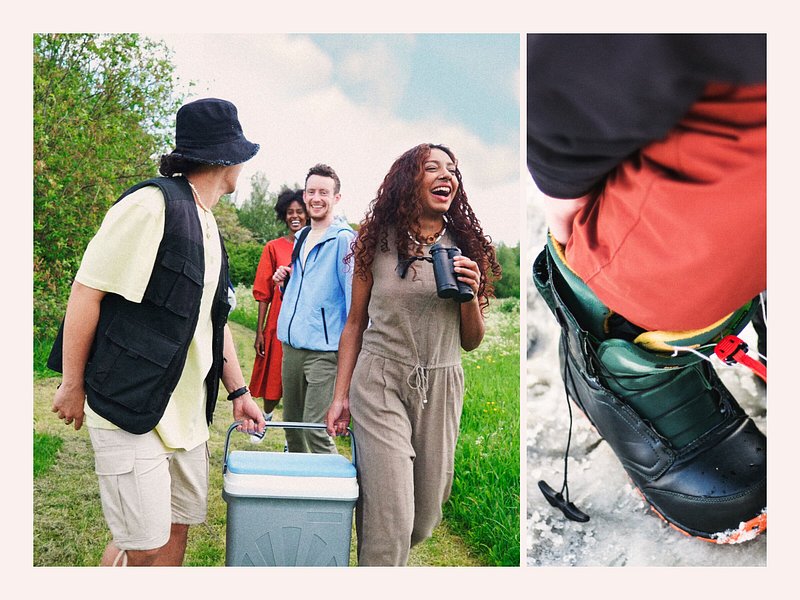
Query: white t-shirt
column 119, row 260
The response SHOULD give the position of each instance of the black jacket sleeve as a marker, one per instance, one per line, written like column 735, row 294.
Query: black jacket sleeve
column 594, row 99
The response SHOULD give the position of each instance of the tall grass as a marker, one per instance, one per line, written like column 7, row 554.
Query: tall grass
column 484, row 506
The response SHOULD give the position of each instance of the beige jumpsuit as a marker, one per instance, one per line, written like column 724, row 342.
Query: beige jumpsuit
column 406, row 397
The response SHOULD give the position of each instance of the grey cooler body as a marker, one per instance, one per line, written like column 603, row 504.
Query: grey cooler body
column 288, row 509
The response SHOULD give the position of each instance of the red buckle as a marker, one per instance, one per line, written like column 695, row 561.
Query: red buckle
column 732, row 349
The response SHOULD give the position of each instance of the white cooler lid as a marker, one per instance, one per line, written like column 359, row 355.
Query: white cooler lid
column 290, row 475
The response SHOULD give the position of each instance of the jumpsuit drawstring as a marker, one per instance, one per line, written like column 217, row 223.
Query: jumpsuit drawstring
column 420, row 382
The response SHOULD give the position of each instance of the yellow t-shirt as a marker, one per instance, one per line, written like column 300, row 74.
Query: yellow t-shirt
column 313, row 237
column 119, row 260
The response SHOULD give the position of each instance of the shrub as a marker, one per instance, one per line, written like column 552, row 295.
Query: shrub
column 243, row 262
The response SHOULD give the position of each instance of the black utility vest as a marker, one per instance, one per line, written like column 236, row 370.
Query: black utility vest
column 140, row 349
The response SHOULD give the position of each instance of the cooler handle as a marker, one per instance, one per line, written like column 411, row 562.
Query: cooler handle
column 284, row 425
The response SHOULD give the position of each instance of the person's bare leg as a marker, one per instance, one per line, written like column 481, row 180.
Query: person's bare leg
column 169, row 555
column 114, row 557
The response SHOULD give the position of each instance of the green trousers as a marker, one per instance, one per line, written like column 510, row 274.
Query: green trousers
column 308, row 379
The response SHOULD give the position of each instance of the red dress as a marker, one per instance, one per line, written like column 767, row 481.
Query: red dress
column 265, row 381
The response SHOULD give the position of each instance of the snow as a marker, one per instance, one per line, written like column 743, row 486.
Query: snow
column 622, row 530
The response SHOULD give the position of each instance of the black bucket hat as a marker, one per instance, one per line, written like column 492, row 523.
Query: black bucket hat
column 208, row 131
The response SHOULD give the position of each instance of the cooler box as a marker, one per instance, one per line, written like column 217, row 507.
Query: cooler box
column 288, row 509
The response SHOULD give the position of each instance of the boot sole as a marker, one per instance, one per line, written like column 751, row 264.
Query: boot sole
column 746, row 531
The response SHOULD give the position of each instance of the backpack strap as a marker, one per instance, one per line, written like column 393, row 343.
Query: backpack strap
column 296, row 251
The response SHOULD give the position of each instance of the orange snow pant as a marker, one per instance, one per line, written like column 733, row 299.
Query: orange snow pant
column 676, row 238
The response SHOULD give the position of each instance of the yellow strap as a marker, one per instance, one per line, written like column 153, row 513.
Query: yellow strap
column 560, row 251
column 659, row 341
column 664, row 341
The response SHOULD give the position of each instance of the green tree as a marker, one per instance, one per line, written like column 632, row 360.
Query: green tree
column 508, row 257
column 257, row 212
column 103, row 108
column 243, row 250
column 229, row 225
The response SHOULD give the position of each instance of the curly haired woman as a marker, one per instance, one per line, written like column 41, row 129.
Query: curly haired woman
column 399, row 371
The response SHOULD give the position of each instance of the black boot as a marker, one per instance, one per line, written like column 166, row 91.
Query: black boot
column 688, row 447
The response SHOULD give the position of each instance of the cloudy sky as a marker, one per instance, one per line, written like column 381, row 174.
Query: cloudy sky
column 358, row 101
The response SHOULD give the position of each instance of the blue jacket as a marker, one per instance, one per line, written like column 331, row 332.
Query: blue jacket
column 317, row 298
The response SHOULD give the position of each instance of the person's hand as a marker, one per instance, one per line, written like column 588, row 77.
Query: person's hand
column 248, row 412
column 68, row 404
column 259, row 343
column 468, row 272
column 560, row 213
column 280, row 275
column 338, row 416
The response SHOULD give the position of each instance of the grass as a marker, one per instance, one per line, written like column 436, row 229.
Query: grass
column 45, row 450
column 481, row 524
column 68, row 527
column 41, row 350
column 246, row 311
column 485, row 504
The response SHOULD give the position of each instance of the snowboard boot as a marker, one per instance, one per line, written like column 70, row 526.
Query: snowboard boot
column 688, row 447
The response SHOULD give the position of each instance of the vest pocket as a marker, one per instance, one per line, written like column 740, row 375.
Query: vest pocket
column 174, row 283
column 130, row 363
